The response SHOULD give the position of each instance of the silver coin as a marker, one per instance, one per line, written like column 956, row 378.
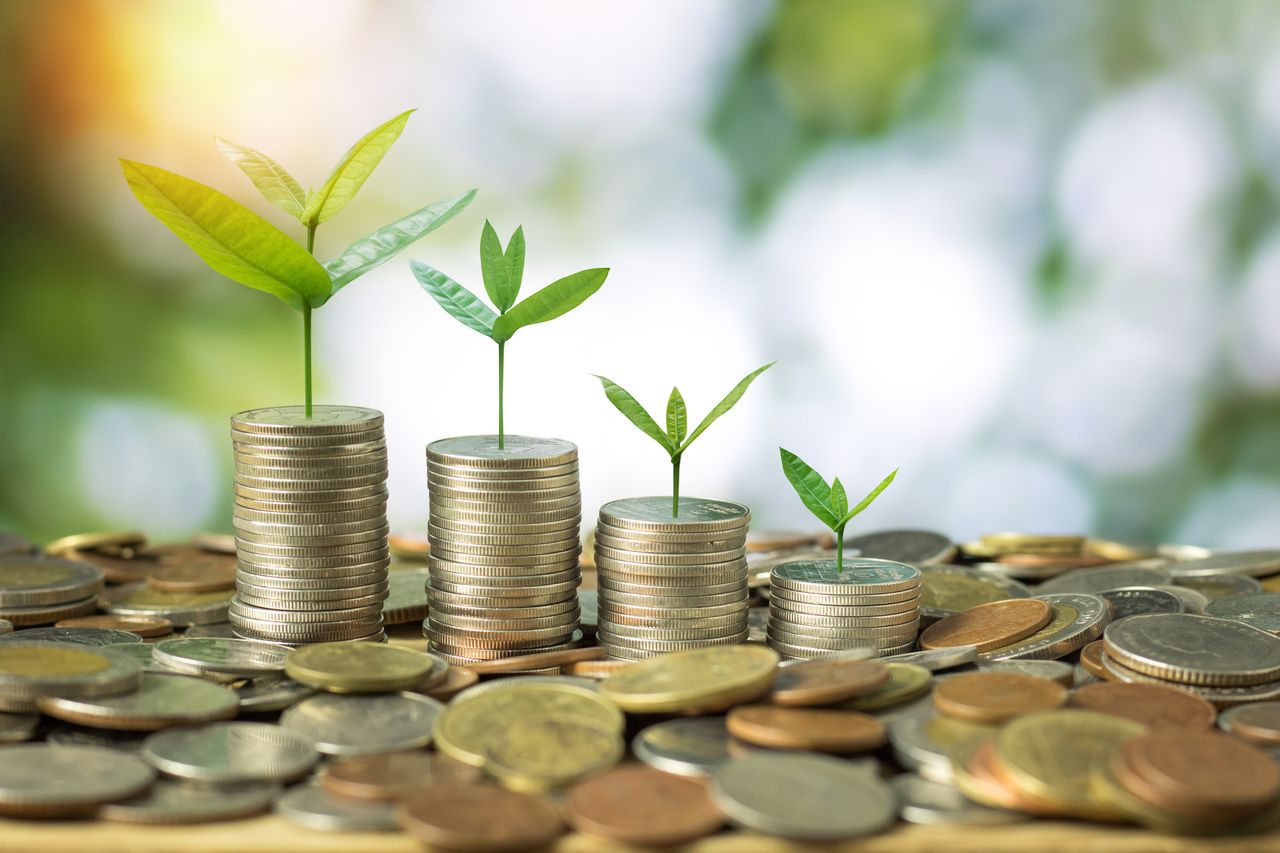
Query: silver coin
column 913, row 734
column 1195, row 649
column 1220, row 696
column 1213, row 587
column 501, row 474
column 50, row 780
column 79, row 636
column 244, row 658
column 358, row 725
column 299, row 604
column 182, row 609
column 654, row 514
column 1252, row 563
column 334, row 565
column 143, row 653
column 718, row 584
column 231, row 752
column 660, row 550
column 315, row 808
column 6, row 627
column 1136, row 600
column 1053, row 670
column 93, row 672
column 589, row 609
column 692, row 746
column 251, row 612
column 303, row 441
column 642, row 539
column 160, row 701
column 170, row 803
column 15, row 728
column 322, row 420
column 407, row 599
column 214, row 629
column 64, row 734
column 271, row 693
column 917, row 547
column 925, row 802
column 1261, row 611
column 1193, row 601
column 850, row 654
column 1078, row 619
column 286, row 588
column 1102, row 579
column 517, row 451
column 44, row 581
column 859, row 576
column 803, row 796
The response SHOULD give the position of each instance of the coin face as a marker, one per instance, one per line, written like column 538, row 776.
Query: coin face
column 160, row 701
column 906, row 682
column 143, row 626
column 230, row 657
column 989, row 626
column 180, row 608
column 1261, row 610
column 358, row 725
column 697, row 678
column 1158, row 708
column 858, row 575
column 395, row 775
column 480, row 817
column 323, row 419
column 1135, row 601
column 814, row 729
column 1195, row 649
column 43, row 780
column 642, row 806
column 541, row 754
column 361, row 667
column 991, row 697
column 1078, row 618
column 1257, row 722
column 1053, row 670
column 77, row 636
column 693, row 746
column 936, row 659
column 483, row 450
column 917, row 547
column 1205, row 774
column 802, row 796
column 30, row 670
column 315, row 808
column 1103, row 579
column 231, row 752
column 654, row 513
column 169, row 803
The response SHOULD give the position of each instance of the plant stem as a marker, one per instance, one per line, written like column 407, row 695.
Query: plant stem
column 501, row 360
column 840, row 549
column 675, row 486
column 306, row 326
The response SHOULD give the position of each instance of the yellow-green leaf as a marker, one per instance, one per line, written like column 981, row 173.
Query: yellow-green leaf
column 272, row 180
column 352, row 171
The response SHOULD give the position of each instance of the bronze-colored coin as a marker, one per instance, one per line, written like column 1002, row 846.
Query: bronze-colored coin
column 476, row 817
column 1091, row 659
column 1257, row 722
column 1043, row 561
column 457, row 679
column 595, row 668
column 1207, row 775
column 118, row 569
column 817, row 729
column 1158, row 708
column 189, row 568
column 821, row 682
column 395, row 775
column 143, row 626
column 559, row 657
column 976, row 777
column 991, row 697
column 642, row 806
column 989, row 626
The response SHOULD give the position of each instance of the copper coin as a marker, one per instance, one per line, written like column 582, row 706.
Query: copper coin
column 1091, row 659
column 992, row 697
column 595, row 668
column 1258, row 722
column 477, row 817
column 818, row 729
column 456, row 679
column 117, row 569
column 187, row 568
column 143, row 626
column 395, row 775
column 538, row 661
column 642, row 806
column 821, row 682
column 1158, row 708
column 989, row 626
column 1206, row 774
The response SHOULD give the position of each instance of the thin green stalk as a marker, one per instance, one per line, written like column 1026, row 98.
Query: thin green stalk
column 840, row 549
column 675, row 486
column 501, row 357
column 306, row 326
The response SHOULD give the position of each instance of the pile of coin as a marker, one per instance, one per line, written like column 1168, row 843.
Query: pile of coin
column 311, row 524
column 42, row 590
column 815, row 610
column 504, row 548
column 669, row 583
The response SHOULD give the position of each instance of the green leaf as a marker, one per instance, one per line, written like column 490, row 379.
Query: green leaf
column 493, row 266
column 514, row 256
column 555, row 299
column 374, row 250
column 230, row 237
column 352, row 171
column 866, row 502
column 629, row 406
column 809, row 485
column 272, row 180
column 839, row 500
column 727, row 403
column 677, row 418
column 461, row 304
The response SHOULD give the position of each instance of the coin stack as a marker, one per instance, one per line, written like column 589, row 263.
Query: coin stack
column 815, row 610
column 504, row 546
column 669, row 583
column 311, row 524
column 43, row 590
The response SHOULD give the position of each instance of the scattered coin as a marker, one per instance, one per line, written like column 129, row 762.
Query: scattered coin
column 407, row 598
column 180, row 608
column 44, row 780
column 1251, row 563
column 1257, row 722
column 906, row 682
column 1137, row 600
column 169, row 803
column 991, row 697
column 78, row 636
column 31, row 670
column 915, row 547
column 699, row 679
column 271, row 693
column 187, row 568
column 476, row 817
column 1078, row 618
column 936, row 659
column 1053, row 670
column 642, row 806
column 923, row 801
column 15, row 545
column 802, row 796
column 922, row 741
column 15, row 728
column 143, row 626
column 363, row 668
column 94, row 541
column 1260, row 610
column 821, row 682
column 456, row 679
column 1208, row 776
column 240, row 658
column 231, row 752
column 947, row 589
column 395, row 775
column 1195, row 649
column 1103, row 579
column 814, row 729
column 362, row 724
column 989, row 626
column 1158, row 708
column 315, row 808
column 694, row 746
column 161, row 701
column 541, row 754
column 520, row 663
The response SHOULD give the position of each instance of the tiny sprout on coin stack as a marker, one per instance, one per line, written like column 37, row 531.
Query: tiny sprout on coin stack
column 828, row 502
column 248, row 249
column 674, row 439
column 503, row 271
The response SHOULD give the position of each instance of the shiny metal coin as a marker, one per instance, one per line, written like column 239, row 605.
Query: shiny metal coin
column 925, row 802
column 1102, row 579
column 180, row 608
column 859, row 576
column 1261, row 610
column 1136, row 600
column 231, row 752
column 78, row 636
column 313, row 807
column 1251, row 563
column 271, row 693
column 502, row 474
column 915, row 547
column 1078, row 619
column 47, row 780
column 243, row 658
column 15, row 728
column 1194, row 649
column 45, row 581
column 518, row 451
column 694, row 746
column 169, row 803
column 322, row 420
column 359, row 725
column 161, row 701
column 654, row 514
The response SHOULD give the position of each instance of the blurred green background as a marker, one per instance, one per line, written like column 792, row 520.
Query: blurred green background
column 1028, row 251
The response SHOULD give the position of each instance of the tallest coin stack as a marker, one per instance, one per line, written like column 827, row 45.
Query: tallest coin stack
column 311, row 524
column 503, row 530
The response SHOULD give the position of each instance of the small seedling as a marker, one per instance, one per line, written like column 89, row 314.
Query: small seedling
column 674, row 439
column 828, row 503
column 503, row 272
column 247, row 249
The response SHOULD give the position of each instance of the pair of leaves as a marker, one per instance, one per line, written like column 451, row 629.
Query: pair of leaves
column 828, row 503
column 502, row 273
column 674, row 439
column 244, row 247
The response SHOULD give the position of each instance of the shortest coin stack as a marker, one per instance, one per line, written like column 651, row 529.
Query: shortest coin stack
column 311, row 524
column 670, row 583
column 815, row 610
column 43, row 590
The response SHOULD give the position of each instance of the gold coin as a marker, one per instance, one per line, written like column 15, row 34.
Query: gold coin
column 696, row 679
column 961, row 590
column 50, row 660
column 1050, row 757
column 1033, row 543
column 92, row 541
column 537, row 755
column 361, row 667
column 906, row 682
column 479, row 715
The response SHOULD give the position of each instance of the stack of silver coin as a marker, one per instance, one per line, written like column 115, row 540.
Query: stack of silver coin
column 311, row 524
column 504, row 542
column 815, row 610
column 668, row 583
